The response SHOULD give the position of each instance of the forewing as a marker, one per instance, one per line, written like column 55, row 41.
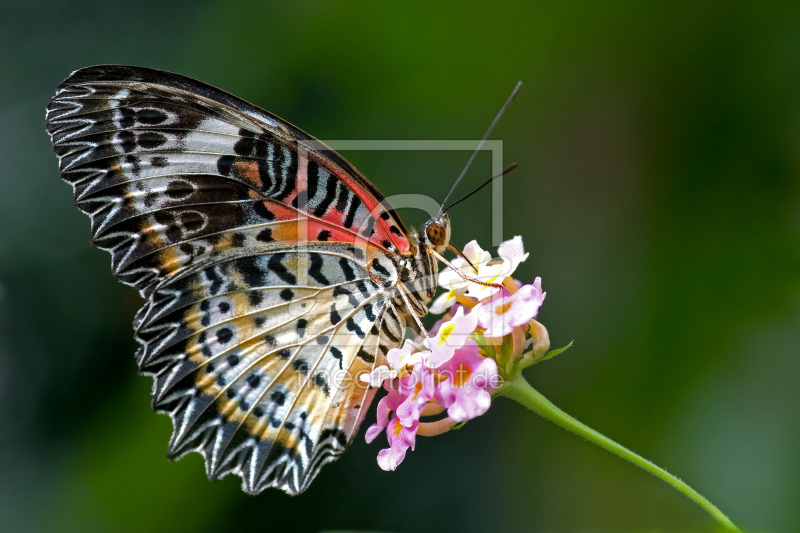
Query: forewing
column 164, row 165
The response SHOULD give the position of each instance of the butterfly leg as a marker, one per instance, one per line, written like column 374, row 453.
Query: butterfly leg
column 403, row 295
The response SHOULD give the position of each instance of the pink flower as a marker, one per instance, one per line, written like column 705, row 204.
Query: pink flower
column 469, row 378
column 410, row 354
column 500, row 315
column 456, row 285
column 418, row 388
column 386, row 407
column 401, row 439
column 378, row 375
column 445, row 371
column 511, row 254
column 399, row 360
column 451, row 336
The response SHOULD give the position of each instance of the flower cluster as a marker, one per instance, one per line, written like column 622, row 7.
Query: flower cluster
column 487, row 331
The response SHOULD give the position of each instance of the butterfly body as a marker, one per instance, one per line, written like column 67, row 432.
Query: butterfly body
column 274, row 274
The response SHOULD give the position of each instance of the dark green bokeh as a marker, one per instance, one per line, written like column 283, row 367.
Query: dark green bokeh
column 658, row 192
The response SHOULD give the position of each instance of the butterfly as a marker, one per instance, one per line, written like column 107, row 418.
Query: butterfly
column 274, row 273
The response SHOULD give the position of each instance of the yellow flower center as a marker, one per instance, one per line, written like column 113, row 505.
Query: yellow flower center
column 445, row 333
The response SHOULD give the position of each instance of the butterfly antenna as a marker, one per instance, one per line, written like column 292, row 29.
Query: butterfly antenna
column 511, row 167
column 480, row 144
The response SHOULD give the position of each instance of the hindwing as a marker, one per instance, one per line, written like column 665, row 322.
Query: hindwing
column 257, row 359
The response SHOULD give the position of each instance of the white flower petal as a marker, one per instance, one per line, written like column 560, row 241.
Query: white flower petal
column 513, row 253
column 475, row 253
column 489, row 274
column 449, row 279
column 444, row 302
column 377, row 376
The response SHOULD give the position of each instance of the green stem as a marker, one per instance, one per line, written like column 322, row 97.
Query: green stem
column 520, row 390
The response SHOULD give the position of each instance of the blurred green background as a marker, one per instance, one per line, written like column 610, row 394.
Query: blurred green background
column 658, row 193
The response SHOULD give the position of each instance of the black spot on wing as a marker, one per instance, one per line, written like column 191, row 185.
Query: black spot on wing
column 251, row 271
column 275, row 264
column 265, row 235
column 341, row 200
column 330, row 192
column 362, row 288
column 355, row 328
column 176, row 189
column 300, row 365
column 288, row 173
column 335, row 317
column 351, row 212
column 225, row 165
column 224, row 335
column 366, row 356
column 387, row 331
column 246, row 143
column 215, row 280
column 337, row 354
column 338, row 291
column 379, row 268
column 150, row 116
column 255, row 298
column 136, row 167
column 278, row 397
column 150, row 140
column 127, row 140
column 322, row 382
column 347, row 269
column 260, row 209
column 315, row 270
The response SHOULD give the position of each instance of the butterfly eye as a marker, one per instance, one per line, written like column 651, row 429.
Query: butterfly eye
column 437, row 234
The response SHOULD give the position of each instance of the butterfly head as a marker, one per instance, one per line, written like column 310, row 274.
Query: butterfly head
column 437, row 232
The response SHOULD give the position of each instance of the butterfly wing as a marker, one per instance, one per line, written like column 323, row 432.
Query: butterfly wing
column 254, row 246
